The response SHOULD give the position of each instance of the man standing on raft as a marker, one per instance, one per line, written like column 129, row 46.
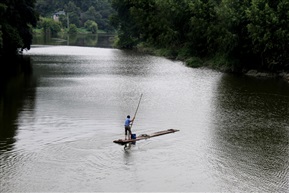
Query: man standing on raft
column 127, row 127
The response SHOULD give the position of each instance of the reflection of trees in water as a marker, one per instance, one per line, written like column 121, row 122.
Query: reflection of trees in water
column 251, row 131
column 253, row 108
column 91, row 40
column 16, row 93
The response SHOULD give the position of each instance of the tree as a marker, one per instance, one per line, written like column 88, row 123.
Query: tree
column 128, row 32
column 79, row 11
column 91, row 26
column 17, row 20
column 269, row 31
column 72, row 29
column 73, row 13
column 233, row 38
column 49, row 26
column 3, row 8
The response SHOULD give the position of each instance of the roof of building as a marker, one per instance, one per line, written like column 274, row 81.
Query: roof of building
column 60, row 13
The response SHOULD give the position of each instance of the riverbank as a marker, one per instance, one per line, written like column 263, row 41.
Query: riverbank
column 219, row 63
column 255, row 73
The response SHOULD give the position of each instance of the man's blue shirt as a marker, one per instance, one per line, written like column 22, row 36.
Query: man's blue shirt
column 127, row 122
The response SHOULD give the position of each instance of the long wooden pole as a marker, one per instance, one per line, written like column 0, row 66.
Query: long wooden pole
column 136, row 109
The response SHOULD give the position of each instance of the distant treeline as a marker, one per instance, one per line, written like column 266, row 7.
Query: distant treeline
column 236, row 34
column 79, row 11
column 18, row 18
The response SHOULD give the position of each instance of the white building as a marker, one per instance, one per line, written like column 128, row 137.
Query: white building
column 57, row 14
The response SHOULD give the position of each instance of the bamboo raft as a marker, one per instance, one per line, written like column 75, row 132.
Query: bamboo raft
column 144, row 136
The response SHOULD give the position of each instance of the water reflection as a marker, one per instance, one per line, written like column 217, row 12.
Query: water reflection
column 251, row 133
column 16, row 94
column 234, row 134
column 133, row 64
column 89, row 40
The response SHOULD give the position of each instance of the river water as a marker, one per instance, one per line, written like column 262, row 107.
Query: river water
column 58, row 125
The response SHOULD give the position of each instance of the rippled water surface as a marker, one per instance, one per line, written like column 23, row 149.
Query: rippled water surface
column 58, row 126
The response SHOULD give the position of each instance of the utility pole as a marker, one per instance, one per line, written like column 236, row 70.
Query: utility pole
column 67, row 21
column 67, row 28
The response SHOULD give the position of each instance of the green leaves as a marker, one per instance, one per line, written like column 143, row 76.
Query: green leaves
column 91, row 26
column 16, row 20
column 49, row 26
column 253, row 33
column 269, row 30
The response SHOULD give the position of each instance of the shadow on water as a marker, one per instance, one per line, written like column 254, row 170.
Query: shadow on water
column 17, row 91
column 250, row 145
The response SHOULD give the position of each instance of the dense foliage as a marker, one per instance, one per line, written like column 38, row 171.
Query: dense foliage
column 16, row 20
column 236, row 34
column 49, row 26
column 79, row 12
column 239, row 34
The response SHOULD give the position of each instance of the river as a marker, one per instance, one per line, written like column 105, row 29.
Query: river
column 58, row 125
